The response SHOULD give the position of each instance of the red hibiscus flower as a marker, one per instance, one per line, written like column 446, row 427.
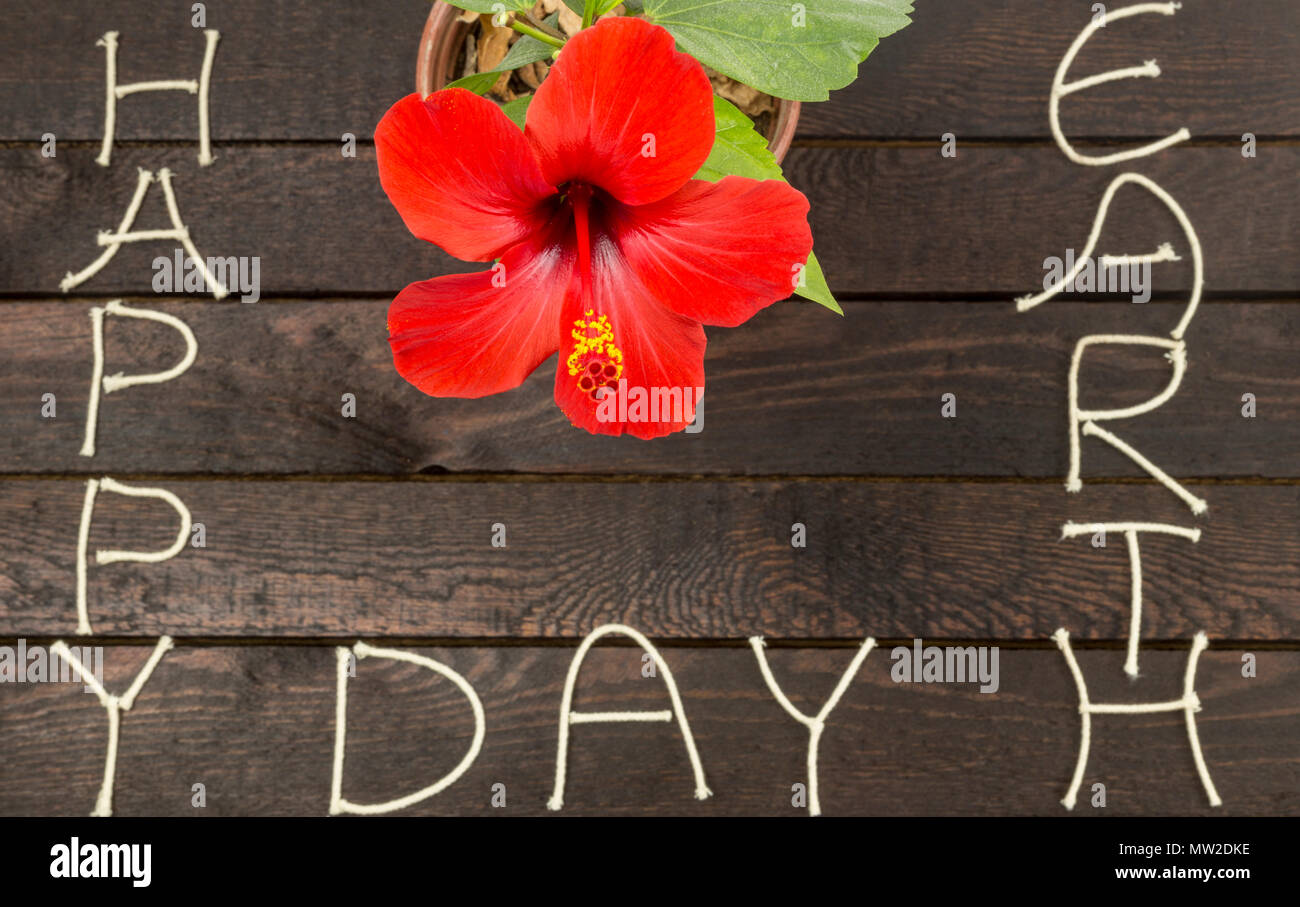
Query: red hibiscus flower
column 606, row 250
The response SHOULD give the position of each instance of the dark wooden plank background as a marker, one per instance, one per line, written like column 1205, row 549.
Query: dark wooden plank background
column 679, row 559
column 323, row 529
column 886, row 220
column 976, row 68
column 860, row 394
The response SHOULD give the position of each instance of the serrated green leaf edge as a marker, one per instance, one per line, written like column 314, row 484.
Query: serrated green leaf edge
column 705, row 30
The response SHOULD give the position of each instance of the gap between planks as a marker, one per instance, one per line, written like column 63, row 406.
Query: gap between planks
column 1046, row 141
column 983, row 297
column 519, row 478
column 518, row 642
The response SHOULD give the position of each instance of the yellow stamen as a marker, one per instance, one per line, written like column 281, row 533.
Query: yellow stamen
column 596, row 361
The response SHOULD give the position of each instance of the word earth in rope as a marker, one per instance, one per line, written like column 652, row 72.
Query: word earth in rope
column 1085, row 422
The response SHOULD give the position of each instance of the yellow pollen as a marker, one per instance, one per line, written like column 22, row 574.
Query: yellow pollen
column 596, row 361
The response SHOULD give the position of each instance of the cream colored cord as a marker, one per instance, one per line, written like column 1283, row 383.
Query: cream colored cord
column 816, row 724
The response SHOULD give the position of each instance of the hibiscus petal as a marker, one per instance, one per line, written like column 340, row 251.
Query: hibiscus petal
column 645, row 351
column 460, row 173
column 470, row 335
column 624, row 111
column 718, row 252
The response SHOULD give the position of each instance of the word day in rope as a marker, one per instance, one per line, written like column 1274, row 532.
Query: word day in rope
column 347, row 662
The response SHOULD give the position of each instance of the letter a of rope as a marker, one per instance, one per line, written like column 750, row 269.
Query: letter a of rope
column 179, row 233
column 567, row 715
column 1165, row 252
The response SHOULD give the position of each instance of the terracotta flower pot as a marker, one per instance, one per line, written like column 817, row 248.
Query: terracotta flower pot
column 444, row 35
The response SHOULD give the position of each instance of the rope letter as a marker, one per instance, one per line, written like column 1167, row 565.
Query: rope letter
column 815, row 725
column 120, row 381
column 93, row 487
column 1131, row 530
column 1189, row 705
column 337, row 803
column 1088, row 418
column 114, row 92
column 1164, row 253
column 567, row 715
column 1149, row 69
column 115, row 706
column 178, row 233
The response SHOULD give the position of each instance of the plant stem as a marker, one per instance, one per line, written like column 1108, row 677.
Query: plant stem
column 542, row 26
column 535, row 33
column 588, row 13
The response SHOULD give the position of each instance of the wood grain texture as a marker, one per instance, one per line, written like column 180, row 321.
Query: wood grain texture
column 978, row 69
column 693, row 560
column 283, row 70
column 982, row 69
column 885, row 220
column 255, row 726
column 856, row 396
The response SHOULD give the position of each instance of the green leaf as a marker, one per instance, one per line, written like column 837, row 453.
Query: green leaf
column 524, row 51
column 739, row 150
column 478, row 82
column 602, row 6
column 816, row 288
column 517, row 109
column 494, row 6
column 791, row 50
